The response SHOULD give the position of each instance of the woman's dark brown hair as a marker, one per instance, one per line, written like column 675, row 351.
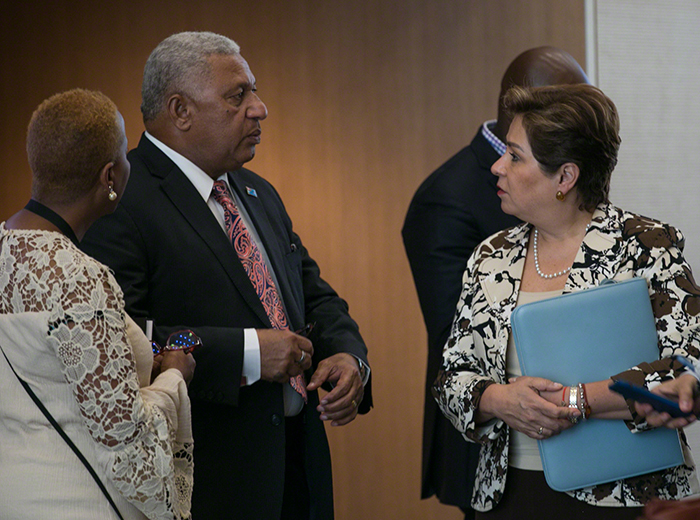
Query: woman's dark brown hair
column 571, row 123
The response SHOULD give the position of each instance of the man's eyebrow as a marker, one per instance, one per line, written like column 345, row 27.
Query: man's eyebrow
column 241, row 85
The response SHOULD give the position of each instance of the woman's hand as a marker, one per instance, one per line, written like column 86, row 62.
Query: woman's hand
column 683, row 389
column 185, row 363
column 527, row 404
column 155, row 368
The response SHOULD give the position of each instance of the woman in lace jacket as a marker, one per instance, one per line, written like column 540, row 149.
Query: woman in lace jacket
column 64, row 331
column 555, row 175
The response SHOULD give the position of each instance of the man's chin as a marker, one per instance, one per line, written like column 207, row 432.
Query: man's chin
column 245, row 157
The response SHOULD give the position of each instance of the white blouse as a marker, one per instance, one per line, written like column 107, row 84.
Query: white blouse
column 523, row 451
column 64, row 329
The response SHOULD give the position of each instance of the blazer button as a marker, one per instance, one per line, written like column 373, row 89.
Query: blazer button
column 210, row 395
column 276, row 419
column 219, row 396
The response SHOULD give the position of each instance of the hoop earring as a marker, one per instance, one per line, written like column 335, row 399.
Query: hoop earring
column 560, row 196
column 112, row 196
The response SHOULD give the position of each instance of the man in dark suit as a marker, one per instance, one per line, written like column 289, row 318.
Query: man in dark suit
column 260, row 449
column 454, row 209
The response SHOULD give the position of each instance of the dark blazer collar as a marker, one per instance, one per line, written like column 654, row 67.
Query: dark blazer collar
column 275, row 245
column 485, row 155
column 258, row 215
column 159, row 164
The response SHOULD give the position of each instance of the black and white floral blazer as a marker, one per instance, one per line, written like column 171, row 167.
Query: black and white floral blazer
column 618, row 245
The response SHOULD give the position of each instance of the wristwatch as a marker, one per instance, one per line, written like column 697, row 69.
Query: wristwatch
column 364, row 370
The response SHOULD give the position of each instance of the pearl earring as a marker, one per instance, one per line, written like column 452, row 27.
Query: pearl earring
column 560, row 196
column 112, row 194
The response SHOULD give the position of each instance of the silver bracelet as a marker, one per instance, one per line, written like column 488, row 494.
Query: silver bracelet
column 573, row 402
column 583, row 406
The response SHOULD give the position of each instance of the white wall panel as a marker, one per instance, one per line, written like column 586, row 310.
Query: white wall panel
column 644, row 54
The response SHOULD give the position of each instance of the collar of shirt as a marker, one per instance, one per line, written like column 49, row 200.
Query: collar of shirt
column 199, row 179
column 494, row 141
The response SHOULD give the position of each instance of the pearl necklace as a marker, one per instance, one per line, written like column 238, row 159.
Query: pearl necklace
column 537, row 261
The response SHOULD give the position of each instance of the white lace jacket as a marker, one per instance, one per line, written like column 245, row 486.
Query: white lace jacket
column 618, row 245
column 63, row 327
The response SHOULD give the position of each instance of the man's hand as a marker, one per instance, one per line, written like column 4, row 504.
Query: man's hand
column 340, row 404
column 283, row 354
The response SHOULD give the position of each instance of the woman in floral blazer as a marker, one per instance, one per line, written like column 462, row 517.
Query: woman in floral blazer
column 562, row 147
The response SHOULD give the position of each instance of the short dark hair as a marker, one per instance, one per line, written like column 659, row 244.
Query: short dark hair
column 571, row 123
column 71, row 136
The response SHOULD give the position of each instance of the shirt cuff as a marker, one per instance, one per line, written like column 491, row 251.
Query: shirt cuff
column 251, row 356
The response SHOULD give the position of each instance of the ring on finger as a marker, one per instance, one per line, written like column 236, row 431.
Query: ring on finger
column 540, row 430
column 354, row 403
column 302, row 358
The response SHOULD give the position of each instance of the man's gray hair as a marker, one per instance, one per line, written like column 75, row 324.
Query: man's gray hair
column 177, row 61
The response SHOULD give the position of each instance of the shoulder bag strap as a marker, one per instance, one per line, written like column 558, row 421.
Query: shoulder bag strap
column 65, row 437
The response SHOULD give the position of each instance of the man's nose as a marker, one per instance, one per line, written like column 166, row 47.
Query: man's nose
column 257, row 109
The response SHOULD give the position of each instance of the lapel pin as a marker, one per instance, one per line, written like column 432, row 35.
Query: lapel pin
column 251, row 191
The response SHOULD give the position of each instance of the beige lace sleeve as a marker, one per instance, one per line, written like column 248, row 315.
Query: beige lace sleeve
column 136, row 429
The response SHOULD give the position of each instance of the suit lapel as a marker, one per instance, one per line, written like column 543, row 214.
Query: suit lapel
column 272, row 241
column 189, row 203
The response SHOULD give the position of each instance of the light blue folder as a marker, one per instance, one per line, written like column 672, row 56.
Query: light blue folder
column 584, row 337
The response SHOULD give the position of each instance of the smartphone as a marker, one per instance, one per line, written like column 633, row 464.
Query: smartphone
column 642, row 395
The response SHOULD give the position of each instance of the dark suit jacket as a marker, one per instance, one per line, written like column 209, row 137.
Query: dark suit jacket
column 454, row 209
column 177, row 267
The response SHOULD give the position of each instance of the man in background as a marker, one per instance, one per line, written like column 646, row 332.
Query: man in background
column 201, row 243
column 454, row 209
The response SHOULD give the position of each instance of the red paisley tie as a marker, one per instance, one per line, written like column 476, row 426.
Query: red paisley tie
column 255, row 267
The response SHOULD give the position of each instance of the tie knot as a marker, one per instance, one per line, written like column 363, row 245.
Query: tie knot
column 220, row 192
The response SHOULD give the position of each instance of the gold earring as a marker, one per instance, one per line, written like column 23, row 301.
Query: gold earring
column 560, row 196
column 112, row 194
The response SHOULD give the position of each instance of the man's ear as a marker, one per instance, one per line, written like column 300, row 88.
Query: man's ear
column 568, row 177
column 179, row 108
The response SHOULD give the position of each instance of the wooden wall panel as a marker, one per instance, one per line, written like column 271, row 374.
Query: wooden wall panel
column 366, row 98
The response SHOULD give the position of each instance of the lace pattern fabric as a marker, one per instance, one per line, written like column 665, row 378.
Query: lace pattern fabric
column 143, row 434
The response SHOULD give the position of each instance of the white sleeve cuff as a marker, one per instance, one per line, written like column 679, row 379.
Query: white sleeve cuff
column 251, row 356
